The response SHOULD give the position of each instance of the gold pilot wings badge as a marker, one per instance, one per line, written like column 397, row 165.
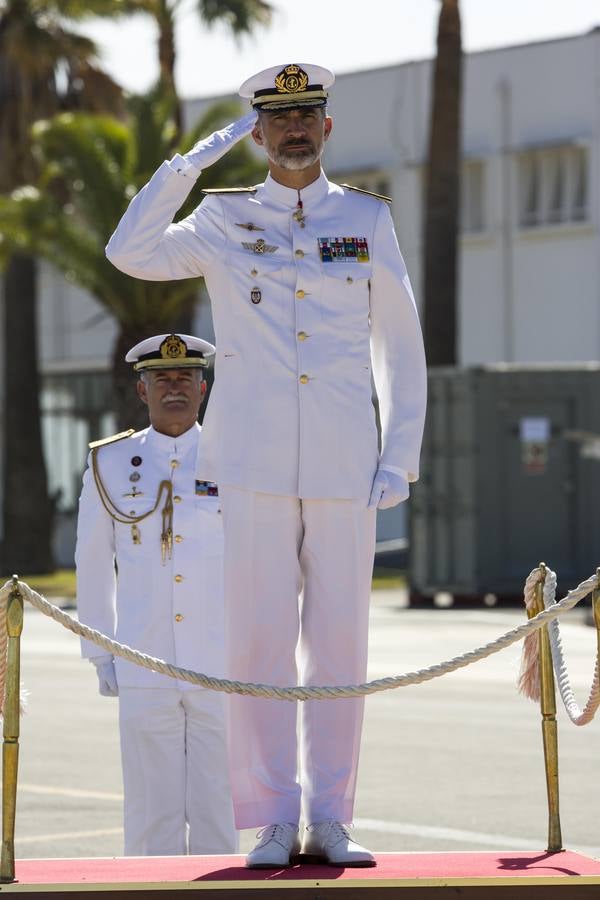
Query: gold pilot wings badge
column 259, row 246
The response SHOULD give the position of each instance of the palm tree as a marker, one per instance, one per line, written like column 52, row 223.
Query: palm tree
column 241, row 16
column 442, row 192
column 34, row 47
column 92, row 167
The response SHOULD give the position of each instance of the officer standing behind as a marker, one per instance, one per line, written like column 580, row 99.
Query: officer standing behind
column 149, row 563
column 310, row 298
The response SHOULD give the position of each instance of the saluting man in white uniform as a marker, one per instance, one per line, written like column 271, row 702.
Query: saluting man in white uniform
column 310, row 299
column 149, row 563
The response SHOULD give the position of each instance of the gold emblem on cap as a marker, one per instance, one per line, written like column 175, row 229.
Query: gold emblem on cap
column 291, row 80
column 173, row 347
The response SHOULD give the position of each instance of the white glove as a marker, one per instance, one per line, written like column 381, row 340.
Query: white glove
column 389, row 489
column 107, row 678
column 210, row 149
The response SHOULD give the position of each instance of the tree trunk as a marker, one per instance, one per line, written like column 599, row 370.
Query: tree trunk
column 442, row 193
column 166, row 59
column 27, row 509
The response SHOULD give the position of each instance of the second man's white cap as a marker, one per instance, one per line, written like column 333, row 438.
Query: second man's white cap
column 170, row 351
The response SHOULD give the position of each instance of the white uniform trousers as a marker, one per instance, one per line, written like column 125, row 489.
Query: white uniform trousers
column 177, row 797
column 297, row 587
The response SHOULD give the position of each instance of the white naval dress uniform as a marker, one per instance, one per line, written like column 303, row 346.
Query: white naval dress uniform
column 290, row 434
column 173, row 744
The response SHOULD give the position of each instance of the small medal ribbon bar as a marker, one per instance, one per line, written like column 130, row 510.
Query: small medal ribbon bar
column 343, row 249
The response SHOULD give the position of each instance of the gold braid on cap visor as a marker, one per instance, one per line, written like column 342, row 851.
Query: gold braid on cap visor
column 276, row 100
column 159, row 363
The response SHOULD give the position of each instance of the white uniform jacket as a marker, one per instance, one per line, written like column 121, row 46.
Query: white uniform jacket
column 173, row 611
column 298, row 336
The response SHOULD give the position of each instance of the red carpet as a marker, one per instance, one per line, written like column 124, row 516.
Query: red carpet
column 423, row 875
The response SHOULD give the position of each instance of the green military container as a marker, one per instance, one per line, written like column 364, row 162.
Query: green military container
column 510, row 476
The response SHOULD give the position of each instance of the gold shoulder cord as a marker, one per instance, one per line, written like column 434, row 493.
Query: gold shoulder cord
column 165, row 487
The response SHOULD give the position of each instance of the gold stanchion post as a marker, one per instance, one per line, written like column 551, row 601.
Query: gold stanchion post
column 549, row 726
column 10, row 747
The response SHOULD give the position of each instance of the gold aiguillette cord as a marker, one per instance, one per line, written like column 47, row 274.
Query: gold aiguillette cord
column 165, row 487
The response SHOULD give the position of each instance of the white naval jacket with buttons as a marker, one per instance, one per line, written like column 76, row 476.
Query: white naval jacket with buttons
column 291, row 410
column 123, row 588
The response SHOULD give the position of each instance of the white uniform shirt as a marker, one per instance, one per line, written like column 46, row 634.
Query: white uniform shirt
column 298, row 337
column 172, row 611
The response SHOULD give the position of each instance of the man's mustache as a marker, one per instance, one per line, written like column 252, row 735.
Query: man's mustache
column 305, row 143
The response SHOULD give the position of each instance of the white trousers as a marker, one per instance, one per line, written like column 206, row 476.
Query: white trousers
column 177, row 797
column 297, row 588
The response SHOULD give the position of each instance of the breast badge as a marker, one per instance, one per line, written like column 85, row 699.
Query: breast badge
column 259, row 246
column 250, row 226
column 256, row 295
column 343, row 249
column 134, row 493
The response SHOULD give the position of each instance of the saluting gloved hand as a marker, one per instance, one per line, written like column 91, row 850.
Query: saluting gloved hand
column 107, row 678
column 389, row 489
column 210, row 149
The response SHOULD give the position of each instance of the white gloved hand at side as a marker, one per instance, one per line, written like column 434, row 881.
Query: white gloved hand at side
column 208, row 150
column 107, row 678
column 389, row 489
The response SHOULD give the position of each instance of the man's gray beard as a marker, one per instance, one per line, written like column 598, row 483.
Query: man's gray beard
column 294, row 162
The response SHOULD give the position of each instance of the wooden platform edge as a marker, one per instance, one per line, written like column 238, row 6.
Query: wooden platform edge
column 307, row 884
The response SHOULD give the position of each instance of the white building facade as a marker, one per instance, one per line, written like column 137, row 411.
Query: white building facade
column 529, row 268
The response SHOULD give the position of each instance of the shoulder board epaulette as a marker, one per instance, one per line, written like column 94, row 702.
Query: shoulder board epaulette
column 111, row 440
column 370, row 193
column 229, row 190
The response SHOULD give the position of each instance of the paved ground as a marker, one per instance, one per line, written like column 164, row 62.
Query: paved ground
column 452, row 764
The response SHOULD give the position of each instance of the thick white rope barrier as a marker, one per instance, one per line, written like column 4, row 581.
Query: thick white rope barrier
column 576, row 715
column 300, row 692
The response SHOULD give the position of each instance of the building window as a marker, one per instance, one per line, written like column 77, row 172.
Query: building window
column 471, row 197
column 553, row 186
column 76, row 409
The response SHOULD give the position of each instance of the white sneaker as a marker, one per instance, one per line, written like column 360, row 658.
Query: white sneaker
column 277, row 843
column 331, row 841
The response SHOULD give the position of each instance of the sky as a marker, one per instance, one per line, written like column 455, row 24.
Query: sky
column 345, row 36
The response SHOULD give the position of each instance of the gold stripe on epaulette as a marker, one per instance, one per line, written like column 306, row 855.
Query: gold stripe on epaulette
column 370, row 193
column 110, row 440
column 229, row 190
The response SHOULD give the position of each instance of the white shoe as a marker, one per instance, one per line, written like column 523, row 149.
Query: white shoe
column 277, row 843
column 331, row 841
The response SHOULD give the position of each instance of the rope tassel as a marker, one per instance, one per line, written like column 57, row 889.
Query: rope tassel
column 529, row 678
column 529, row 674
